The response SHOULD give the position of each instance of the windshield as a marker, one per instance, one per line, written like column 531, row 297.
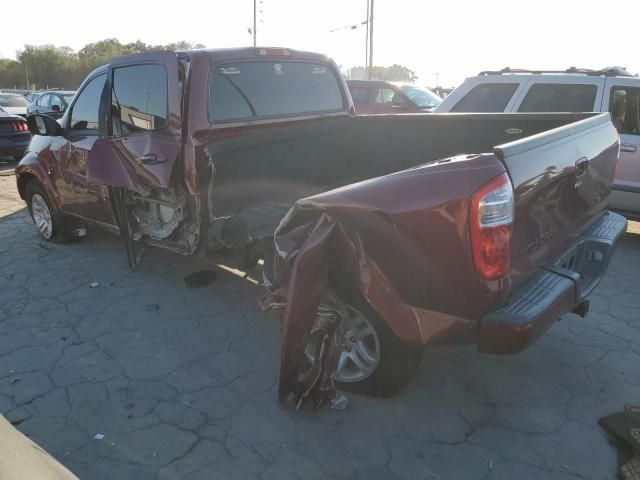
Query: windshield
column 423, row 97
column 12, row 101
column 263, row 89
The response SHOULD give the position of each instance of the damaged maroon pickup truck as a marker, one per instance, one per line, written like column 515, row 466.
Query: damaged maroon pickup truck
column 380, row 234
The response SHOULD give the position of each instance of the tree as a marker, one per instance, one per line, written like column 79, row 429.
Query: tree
column 394, row 73
column 48, row 66
column 11, row 73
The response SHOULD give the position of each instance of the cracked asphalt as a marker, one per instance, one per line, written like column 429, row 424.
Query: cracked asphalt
column 182, row 382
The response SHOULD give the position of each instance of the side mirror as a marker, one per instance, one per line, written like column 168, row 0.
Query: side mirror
column 40, row 124
column 55, row 108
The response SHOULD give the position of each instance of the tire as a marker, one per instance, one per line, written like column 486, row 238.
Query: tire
column 389, row 362
column 44, row 215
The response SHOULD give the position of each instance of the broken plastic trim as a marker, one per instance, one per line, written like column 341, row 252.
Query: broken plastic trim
column 121, row 210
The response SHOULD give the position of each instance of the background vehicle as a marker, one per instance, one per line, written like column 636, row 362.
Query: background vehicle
column 612, row 90
column 384, row 97
column 14, row 135
column 32, row 97
column 14, row 104
column 204, row 152
column 51, row 103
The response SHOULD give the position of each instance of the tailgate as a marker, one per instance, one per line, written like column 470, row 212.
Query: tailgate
column 562, row 180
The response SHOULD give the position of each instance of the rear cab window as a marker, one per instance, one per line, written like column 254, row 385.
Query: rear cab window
column 252, row 90
column 559, row 97
column 487, row 97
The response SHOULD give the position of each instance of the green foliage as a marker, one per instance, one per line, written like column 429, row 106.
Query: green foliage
column 394, row 73
column 48, row 66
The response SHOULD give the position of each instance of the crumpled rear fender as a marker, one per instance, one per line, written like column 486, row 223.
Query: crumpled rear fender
column 402, row 241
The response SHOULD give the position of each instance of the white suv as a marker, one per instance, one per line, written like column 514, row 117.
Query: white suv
column 574, row 90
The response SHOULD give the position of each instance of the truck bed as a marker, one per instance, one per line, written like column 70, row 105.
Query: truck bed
column 260, row 174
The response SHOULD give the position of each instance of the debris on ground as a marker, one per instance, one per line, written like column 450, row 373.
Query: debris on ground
column 99, row 436
column 341, row 402
column 624, row 427
column 94, row 285
column 79, row 232
column 200, row 279
column 152, row 307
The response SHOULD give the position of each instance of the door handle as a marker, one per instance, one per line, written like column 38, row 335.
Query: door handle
column 152, row 158
column 582, row 165
column 625, row 147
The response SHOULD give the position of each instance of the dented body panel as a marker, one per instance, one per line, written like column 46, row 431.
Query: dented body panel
column 381, row 202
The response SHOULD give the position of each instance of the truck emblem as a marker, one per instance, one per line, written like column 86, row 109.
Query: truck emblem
column 513, row 131
column 278, row 69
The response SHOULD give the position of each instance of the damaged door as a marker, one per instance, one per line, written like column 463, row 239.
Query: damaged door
column 83, row 129
column 137, row 159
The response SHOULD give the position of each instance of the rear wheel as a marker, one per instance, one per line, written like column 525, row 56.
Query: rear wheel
column 44, row 215
column 373, row 359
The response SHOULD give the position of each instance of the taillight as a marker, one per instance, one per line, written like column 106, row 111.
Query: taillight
column 19, row 126
column 491, row 221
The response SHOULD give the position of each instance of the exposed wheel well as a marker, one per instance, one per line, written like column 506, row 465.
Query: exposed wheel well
column 23, row 179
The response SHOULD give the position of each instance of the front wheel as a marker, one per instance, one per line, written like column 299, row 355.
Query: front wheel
column 373, row 360
column 43, row 214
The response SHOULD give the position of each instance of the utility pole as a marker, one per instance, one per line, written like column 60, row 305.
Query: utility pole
column 366, row 42
column 370, row 38
column 254, row 22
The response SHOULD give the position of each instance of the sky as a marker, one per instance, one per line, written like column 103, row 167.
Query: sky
column 446, row 40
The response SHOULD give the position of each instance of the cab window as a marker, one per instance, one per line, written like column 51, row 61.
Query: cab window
column 44, row 100
column 624, row 106
column 56, row 101
column 385, row 96
column 139, row 99
column 487, row 97
column 562, row 97
column 85, row 110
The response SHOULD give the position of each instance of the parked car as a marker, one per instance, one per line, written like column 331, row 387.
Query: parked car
column 33, row 96
column 14, row 135
column 612, row 90
column 204, row 152
column 372, row 96
column 53, row 104
column 14, row 104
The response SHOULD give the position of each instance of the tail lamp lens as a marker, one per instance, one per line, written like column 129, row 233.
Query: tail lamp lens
column 19, row 126
column 491, row 221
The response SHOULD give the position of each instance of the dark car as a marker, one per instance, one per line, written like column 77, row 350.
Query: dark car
column 53, row 104
column 14, row 135
column 373, row 96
